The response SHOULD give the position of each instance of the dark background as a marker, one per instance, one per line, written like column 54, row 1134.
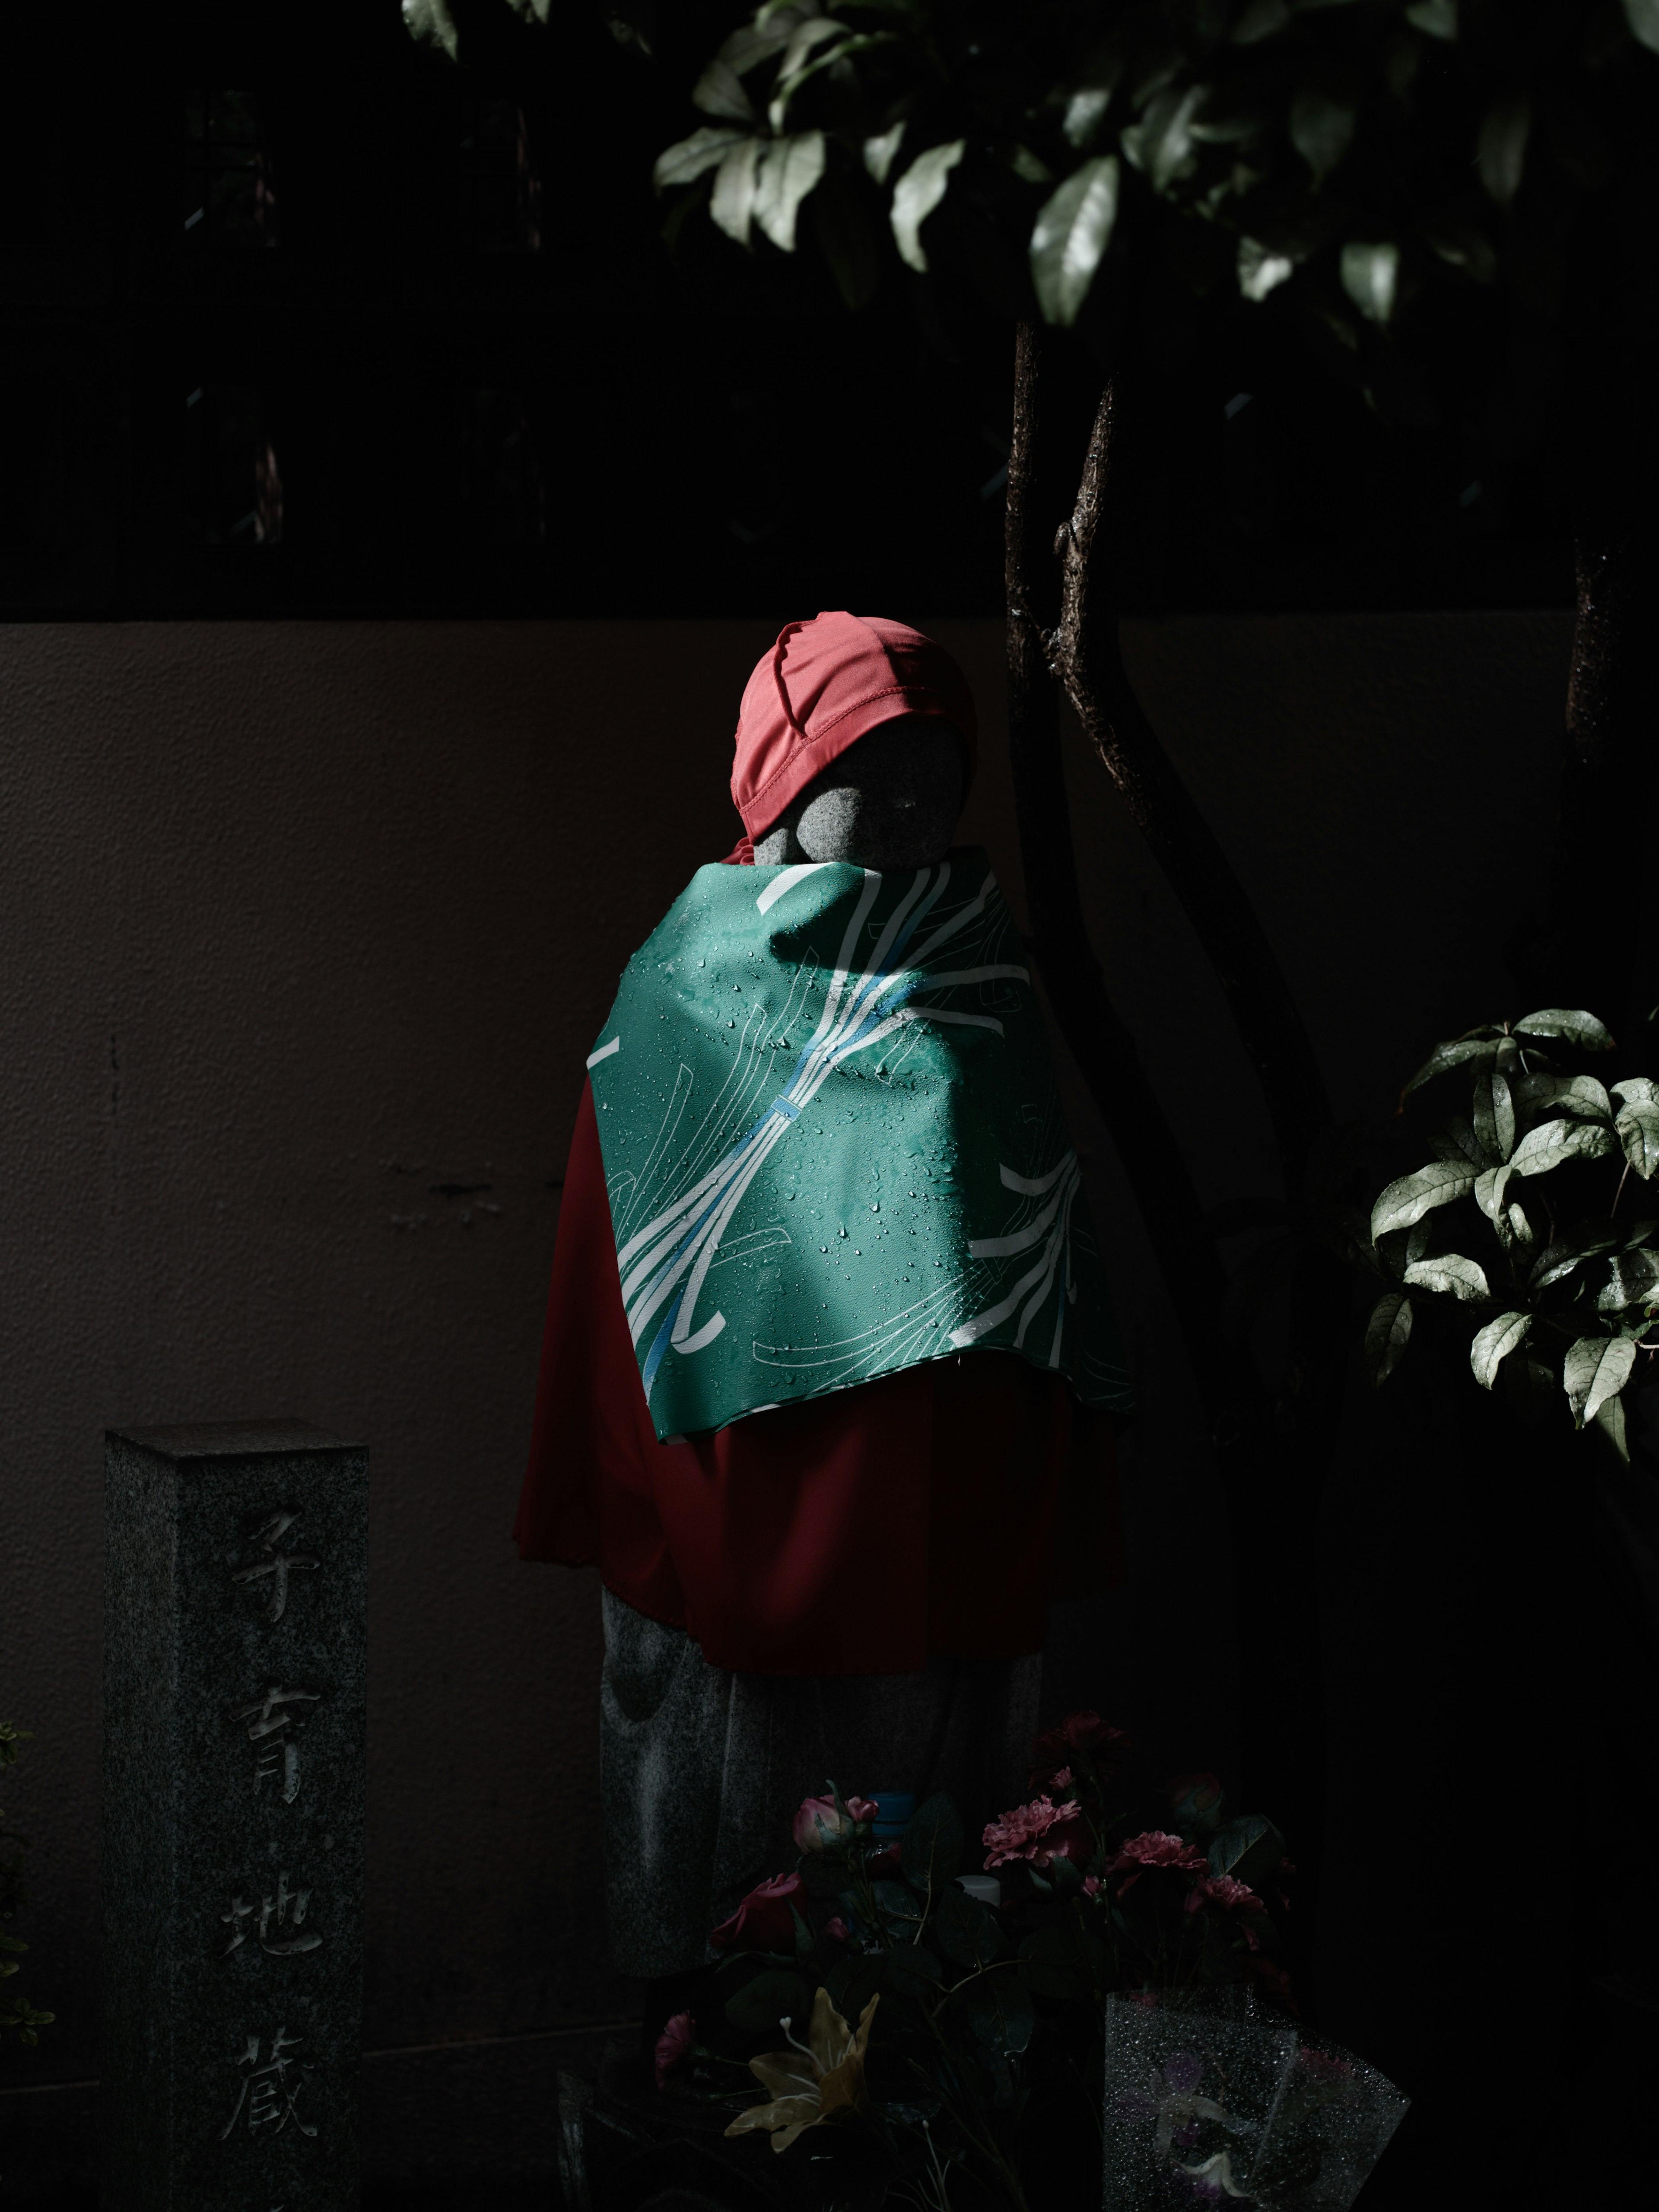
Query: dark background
column 313, row 919
column 302, row 319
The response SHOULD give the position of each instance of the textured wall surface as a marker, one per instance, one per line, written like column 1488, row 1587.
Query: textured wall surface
column 308, row 929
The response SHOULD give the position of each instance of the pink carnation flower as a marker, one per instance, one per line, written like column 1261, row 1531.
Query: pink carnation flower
column 1018, row 1834
column 1231, row 1895
column 673, row 2044
column 1155, row 1848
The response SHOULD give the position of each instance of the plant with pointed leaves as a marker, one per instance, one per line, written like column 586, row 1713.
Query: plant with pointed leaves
column 1564, row 1292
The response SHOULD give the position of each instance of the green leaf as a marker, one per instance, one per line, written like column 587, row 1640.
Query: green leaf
column 1610, row 1419
column 1161, row 145
column 917, row 193
column 1085, row 111
column 1410, row 1197
column 1072, row 233
column 914, row 1970
column 684, row 163
column 1632, row 1278
column 1371, row 276
column 931, row 1854
column 1572, row 1022
column 1642, row 16
column 731, row 203
column 1494, row 1343
column 1262, row 19
column 1638, row 1129
column 1386, row 1335
column 804, row 38
column 770, row 1997
column 846, row 239
column 1632, row 1090
column 999, row 2012
column 1456, row 1054
column 1502, row 151
column 1494, row 1115
column 1459, row 1142
column 1560, row 1256
column 1596, row 1369
column 788, row 170
column 534, row 11
column 1436, row 19
column 879, row 153
column 1321, row 131
column 898, row 1902
column 964, row 1929
column 1052, row 1963
column 430, row 24
column 754, row 42
column 1028, row 166
column 852, row 1982
column 1451, row 1275
column 1464, row 244
column 790, row 79
column 1261, row 270
column 719, row 91
column 1552, row 1142
column 1489, row 1191
column 1568, row 1094
column 1249, row 1848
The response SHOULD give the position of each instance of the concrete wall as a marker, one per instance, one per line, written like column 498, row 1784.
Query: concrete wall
column 308, row 929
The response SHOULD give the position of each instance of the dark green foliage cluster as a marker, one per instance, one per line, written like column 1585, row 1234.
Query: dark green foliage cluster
column 17, row 2016
column 1451, row 199
column 1561, row 1284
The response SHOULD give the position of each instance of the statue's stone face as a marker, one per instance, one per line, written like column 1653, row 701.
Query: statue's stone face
column 891, row 801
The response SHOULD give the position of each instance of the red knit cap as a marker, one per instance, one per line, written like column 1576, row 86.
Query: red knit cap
column 825, row 684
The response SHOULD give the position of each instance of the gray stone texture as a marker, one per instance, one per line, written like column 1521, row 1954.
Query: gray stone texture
column 235, row 1576
column 702, row 1770
column 891, row 801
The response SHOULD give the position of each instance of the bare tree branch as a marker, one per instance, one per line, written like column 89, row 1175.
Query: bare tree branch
column 1089, row 660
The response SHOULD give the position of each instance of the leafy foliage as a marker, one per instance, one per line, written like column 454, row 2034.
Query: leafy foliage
column 1382, row 164
column 1565, row 1288
column 17, row 2016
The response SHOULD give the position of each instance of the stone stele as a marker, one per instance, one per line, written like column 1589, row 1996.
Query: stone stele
column 233, row 1880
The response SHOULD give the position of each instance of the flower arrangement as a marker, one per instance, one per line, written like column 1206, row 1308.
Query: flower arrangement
column 978, row 2051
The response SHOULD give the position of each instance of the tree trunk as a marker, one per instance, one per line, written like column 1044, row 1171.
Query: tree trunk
column 1091, row 665
column 1098, row 1041
column 1272, row 1447
column 1580, row 948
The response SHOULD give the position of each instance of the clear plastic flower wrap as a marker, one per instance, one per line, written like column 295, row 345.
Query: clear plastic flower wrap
column 1208, row 2101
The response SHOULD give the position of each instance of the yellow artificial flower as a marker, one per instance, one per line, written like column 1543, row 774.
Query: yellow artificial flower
column 819, row 2080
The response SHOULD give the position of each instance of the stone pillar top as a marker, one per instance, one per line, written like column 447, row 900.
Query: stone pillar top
column 232, row 1439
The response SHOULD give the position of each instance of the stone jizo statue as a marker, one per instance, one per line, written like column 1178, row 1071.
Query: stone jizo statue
column 830, row 1375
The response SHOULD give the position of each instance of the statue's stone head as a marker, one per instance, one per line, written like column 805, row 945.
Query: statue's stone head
column 855, row 742
column 891, row 801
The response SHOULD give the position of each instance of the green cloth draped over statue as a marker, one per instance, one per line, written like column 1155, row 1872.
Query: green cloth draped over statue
column 834, row 1147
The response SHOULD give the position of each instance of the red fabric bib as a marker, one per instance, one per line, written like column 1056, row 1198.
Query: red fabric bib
column 859, row 1534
